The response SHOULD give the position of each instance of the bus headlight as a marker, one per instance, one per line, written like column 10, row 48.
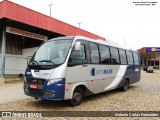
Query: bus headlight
column 51, row 81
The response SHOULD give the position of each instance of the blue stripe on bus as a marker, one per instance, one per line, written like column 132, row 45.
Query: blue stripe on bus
column 28, row 73
column 59, row 90
column 131, row 74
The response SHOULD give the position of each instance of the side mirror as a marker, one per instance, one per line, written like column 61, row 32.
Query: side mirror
column 77, row 45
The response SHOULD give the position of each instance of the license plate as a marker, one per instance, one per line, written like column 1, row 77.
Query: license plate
column 34, row 86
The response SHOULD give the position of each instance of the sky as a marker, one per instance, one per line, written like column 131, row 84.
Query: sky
column 121, row 21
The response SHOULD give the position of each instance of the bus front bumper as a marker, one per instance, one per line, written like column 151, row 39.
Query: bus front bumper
column 39, row 89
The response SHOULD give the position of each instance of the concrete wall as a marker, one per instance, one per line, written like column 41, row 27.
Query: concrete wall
column 16, row 64
column 28, row 52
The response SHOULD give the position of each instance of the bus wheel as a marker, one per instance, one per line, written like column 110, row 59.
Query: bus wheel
column 77, row 97
column 125, row 86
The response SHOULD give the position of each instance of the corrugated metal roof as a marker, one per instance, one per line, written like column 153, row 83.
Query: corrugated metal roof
column 22, row 14
column 1, row 10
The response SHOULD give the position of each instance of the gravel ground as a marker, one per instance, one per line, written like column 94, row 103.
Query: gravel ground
column 141, row 96
column 12, row 91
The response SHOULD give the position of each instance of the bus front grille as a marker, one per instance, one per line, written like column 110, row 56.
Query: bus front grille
column 39, row 83
column 35, row 81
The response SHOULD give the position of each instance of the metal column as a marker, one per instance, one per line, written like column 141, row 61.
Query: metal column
column 143, row 64
column 154, row 59
column 3, row 52
column 147, row 60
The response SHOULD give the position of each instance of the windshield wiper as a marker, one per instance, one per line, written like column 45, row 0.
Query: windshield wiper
column 35, row 62
column 47, row 61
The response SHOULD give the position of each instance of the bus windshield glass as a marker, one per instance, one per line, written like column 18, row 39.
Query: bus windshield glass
column 50, row 54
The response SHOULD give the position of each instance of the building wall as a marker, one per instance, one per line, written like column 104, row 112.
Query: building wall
column 16, row 64
column 28, row 51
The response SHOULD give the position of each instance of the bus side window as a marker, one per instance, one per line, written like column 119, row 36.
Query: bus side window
column 123, row 58
column 94, row 52
column 78, row 56
column 104, row 54
column 114, row 55
column 136, row 58
column 129, row 57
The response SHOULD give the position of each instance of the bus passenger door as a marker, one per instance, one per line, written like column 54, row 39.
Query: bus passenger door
column 77, row 68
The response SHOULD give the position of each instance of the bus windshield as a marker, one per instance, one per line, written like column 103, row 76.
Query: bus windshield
column 50, row 54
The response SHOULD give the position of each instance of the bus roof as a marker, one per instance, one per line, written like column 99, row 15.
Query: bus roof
column 104, row 42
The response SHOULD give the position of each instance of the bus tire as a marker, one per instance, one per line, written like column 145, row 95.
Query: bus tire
column 77, row 97
column 125, row 86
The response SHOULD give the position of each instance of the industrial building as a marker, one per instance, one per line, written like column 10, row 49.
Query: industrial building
column 22, row 30
column 150, row 56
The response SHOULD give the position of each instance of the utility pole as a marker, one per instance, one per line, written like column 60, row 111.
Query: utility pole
column 124, row 43
column 50, row 5
column 79, row 25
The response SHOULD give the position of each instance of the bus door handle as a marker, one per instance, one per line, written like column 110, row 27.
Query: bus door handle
column 84, row 65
